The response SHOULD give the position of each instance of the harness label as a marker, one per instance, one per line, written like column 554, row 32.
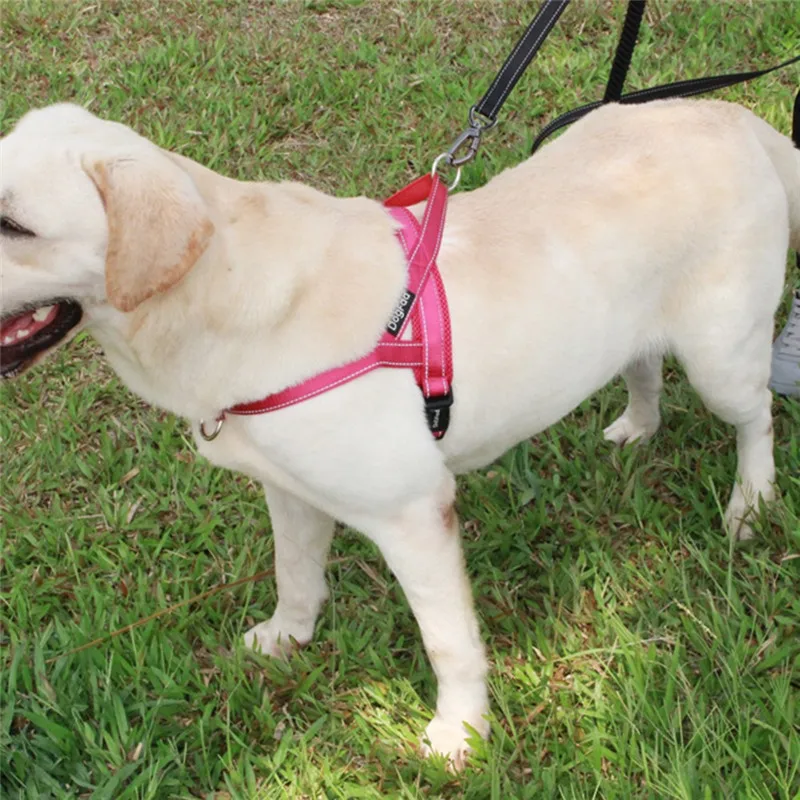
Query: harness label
column 400, row 312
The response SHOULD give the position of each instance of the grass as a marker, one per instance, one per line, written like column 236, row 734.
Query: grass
column 636, row 652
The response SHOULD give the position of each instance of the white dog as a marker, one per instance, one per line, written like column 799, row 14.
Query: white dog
column 643, row 230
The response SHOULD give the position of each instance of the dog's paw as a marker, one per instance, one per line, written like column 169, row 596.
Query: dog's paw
column 743, row 509
column 269, row 639
column 736, row 522
column 627, row 430
column 449, row 739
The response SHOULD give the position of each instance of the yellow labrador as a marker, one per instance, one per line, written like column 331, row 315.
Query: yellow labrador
column 643, row 230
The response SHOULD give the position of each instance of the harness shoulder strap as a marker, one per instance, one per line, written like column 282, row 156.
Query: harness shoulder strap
column 424, row 303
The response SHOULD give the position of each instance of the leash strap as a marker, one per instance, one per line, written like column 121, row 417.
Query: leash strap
column 796, row 121
column 522, row 54
column 796, row 140
column 688, row 88
column 483, row 115
column 624, row 52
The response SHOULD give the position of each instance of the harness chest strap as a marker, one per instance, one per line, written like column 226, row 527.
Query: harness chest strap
column 423, row 305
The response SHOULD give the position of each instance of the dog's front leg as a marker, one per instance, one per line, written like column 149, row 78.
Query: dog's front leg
column 423, row 549
column 302, row 536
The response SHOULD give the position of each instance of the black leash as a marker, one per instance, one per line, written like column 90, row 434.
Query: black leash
column 522, row 54
column 796, row 140
column 483, row 115
column 686, row 88
column 619, row 70
column 796, row 122
column 624, row 53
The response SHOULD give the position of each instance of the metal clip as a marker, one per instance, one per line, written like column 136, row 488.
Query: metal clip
column 209, row 437
column 471, row 137
column 485, row 124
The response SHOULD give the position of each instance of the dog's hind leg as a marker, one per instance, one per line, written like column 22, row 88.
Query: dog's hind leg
column 302, row 537
column 729, row 368
column 422, row 547
column 641, row 418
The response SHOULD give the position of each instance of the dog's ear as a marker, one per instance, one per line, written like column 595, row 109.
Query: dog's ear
column 158, row 225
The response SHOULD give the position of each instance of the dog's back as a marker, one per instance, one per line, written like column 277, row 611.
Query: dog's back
column 643, row 229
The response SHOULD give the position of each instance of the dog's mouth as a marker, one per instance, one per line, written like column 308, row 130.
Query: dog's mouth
column 31, row 331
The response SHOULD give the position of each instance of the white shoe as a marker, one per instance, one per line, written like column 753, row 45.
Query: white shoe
column 785, row 378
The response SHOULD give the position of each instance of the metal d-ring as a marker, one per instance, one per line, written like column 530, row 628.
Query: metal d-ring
column 436, row 166
column 475, row 121
column 209, row 437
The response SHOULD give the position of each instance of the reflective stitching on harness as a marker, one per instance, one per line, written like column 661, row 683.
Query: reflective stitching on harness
column 430, row 359
column 436, row 251
column 426, row 361
column 444, row 347
column 323, row 389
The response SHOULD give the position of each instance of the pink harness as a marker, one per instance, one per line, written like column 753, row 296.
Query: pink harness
column 424, row 304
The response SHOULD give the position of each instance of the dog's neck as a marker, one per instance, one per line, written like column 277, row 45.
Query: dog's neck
column 267, row 305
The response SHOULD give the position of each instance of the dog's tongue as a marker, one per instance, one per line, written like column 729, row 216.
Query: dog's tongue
column 25, row 325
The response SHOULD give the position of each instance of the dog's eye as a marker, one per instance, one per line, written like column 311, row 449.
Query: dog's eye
column 10, row 228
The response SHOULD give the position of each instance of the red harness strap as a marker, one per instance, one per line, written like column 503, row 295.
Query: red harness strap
column 424, row 303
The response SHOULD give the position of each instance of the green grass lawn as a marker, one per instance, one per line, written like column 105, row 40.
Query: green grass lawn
column 636, row 652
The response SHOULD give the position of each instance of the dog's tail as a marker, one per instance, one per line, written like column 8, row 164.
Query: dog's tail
column 786, row 160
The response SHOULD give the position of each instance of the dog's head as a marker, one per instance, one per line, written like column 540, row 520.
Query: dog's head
column 91, row 214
